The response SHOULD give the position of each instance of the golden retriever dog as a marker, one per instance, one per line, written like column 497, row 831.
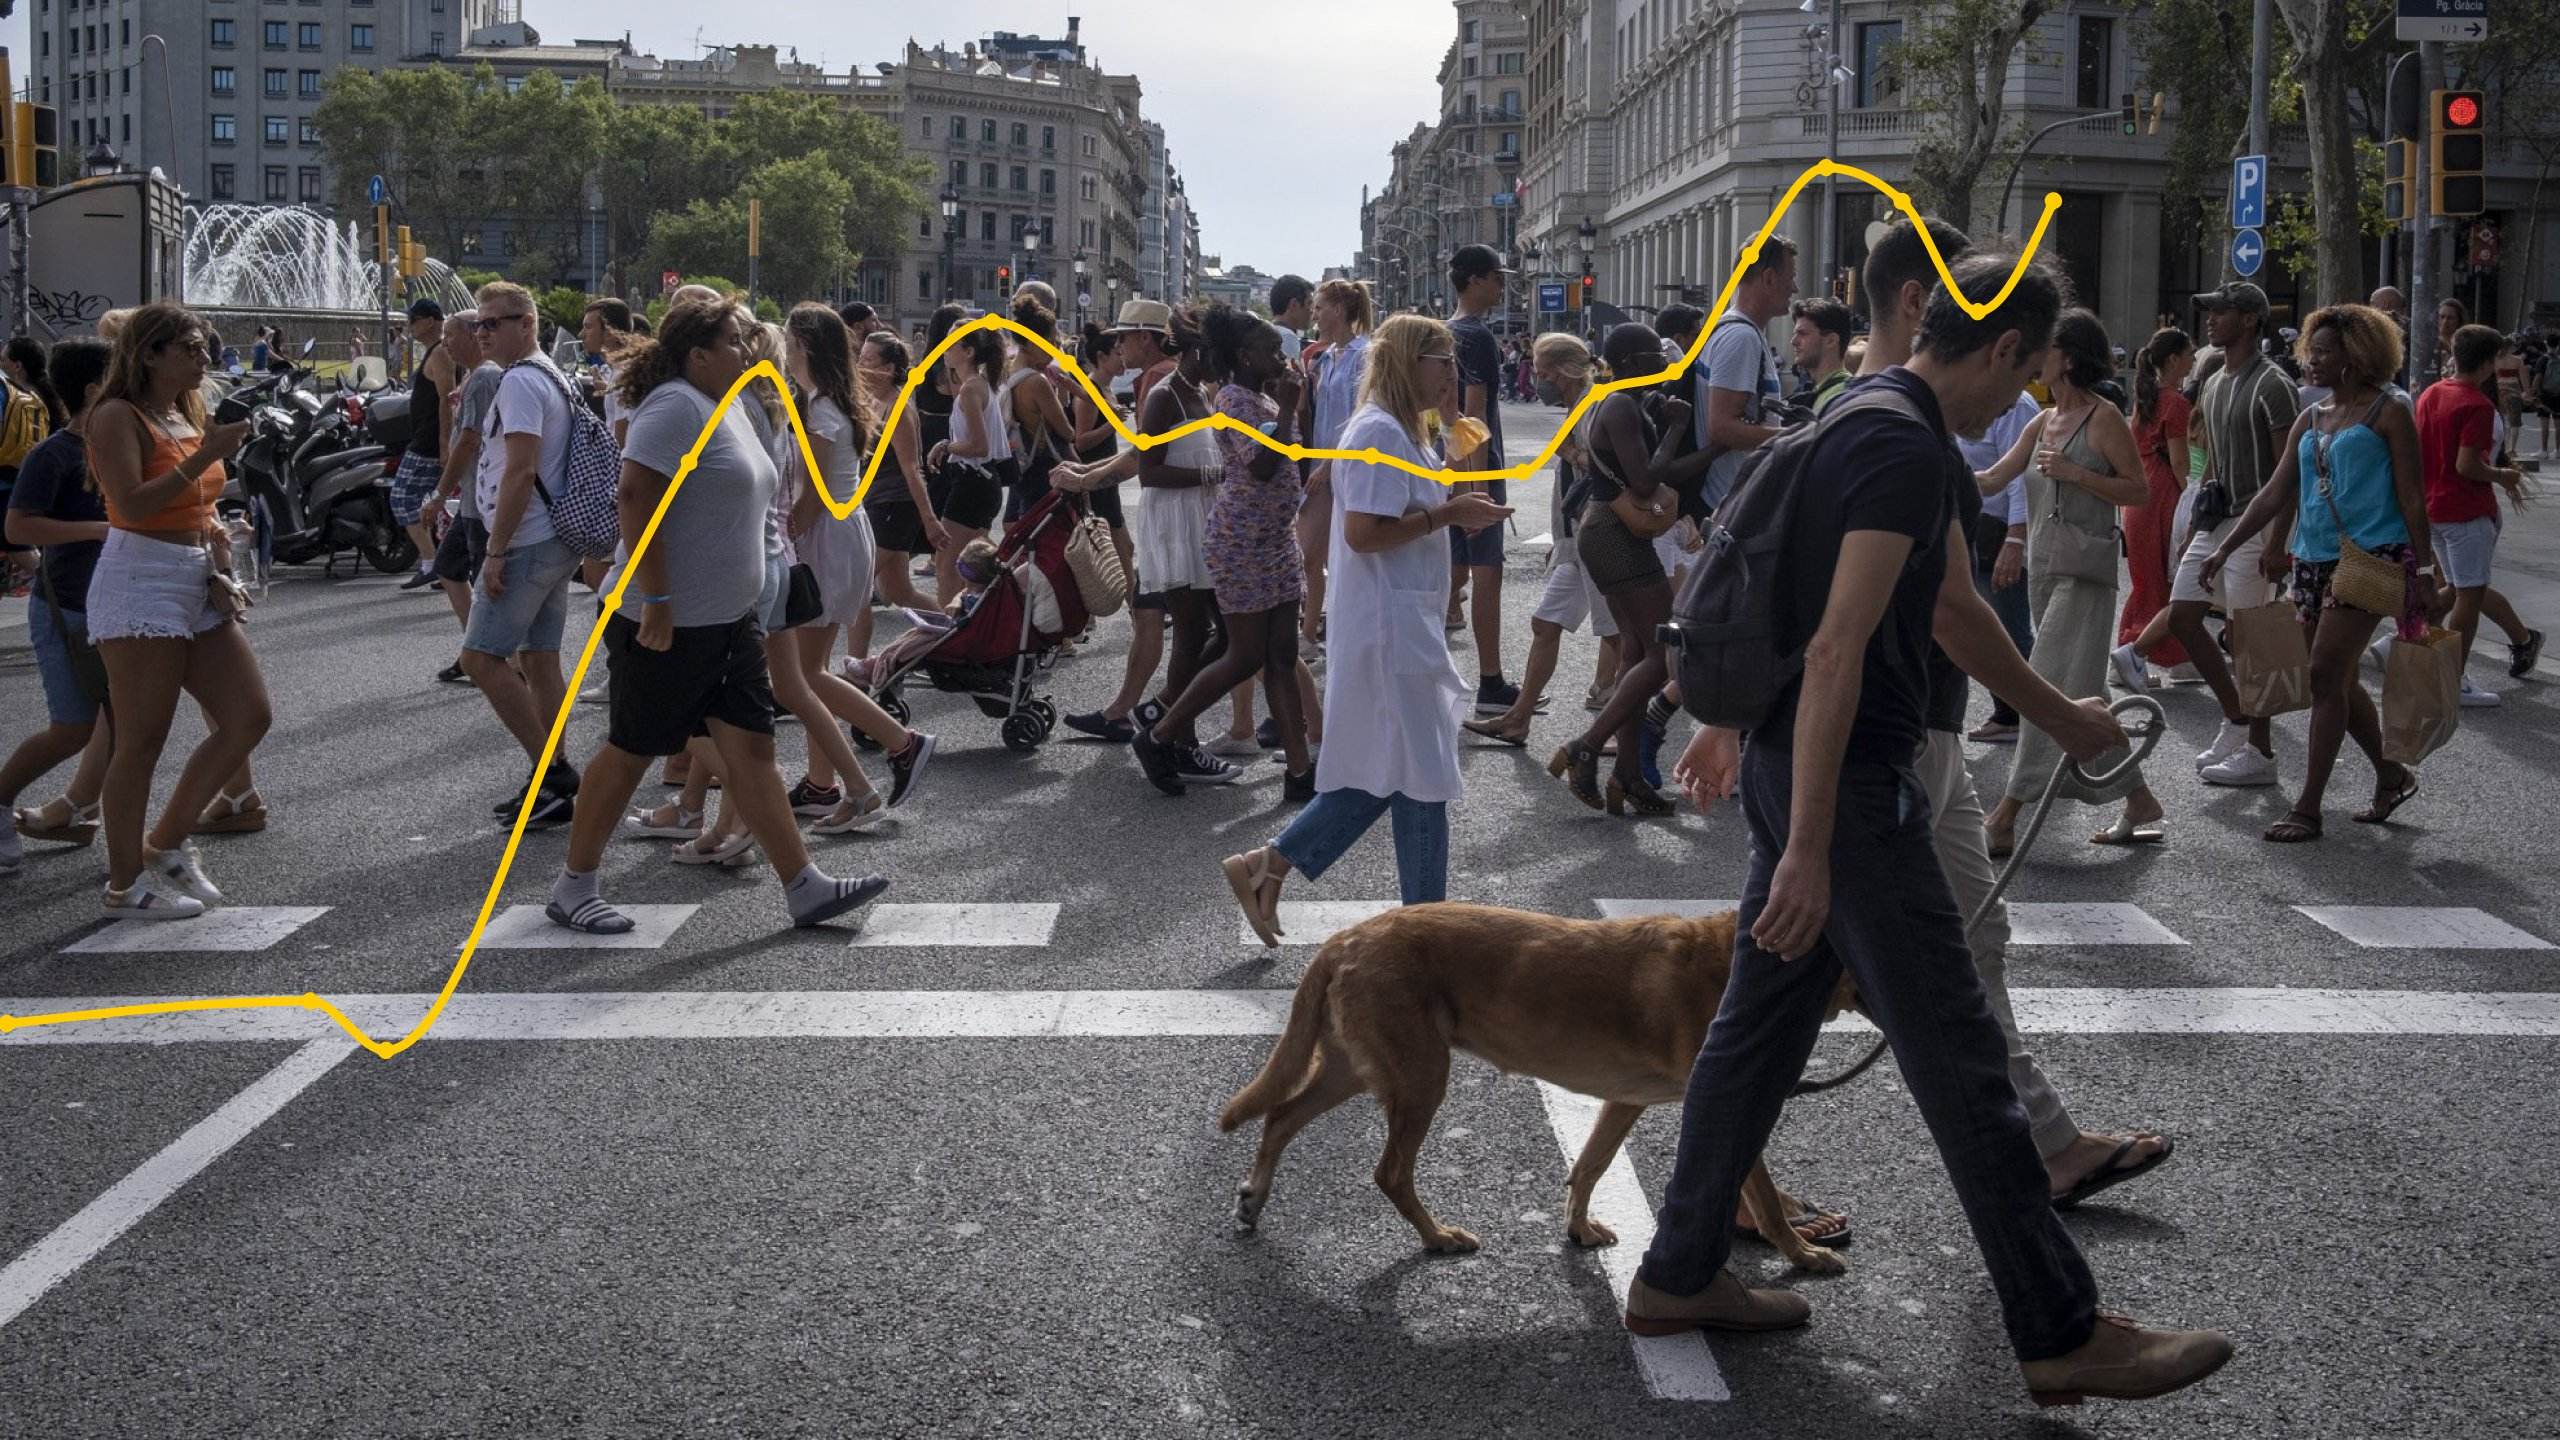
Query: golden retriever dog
column 1614, row 1009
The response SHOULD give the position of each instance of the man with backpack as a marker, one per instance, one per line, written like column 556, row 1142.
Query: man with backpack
column 1737, row 376
column 523, row 605
column 1867, row 560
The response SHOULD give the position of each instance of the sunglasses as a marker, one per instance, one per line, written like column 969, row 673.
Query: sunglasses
column 486, row 323
column 1445, row 357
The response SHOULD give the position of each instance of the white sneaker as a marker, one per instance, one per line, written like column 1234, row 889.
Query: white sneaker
column 2251, row 766
column 2475, row 698
column 2228, row 741
column 2379, row 652
column 150, row 898
column 184, row 868
column 2132, row 671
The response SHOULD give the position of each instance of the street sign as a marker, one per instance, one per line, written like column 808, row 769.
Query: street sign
column 2247, row 251
column 1500, row 199
column 1551, row 297
column 2249, row 192
column 376, row 193
column 2464, row 22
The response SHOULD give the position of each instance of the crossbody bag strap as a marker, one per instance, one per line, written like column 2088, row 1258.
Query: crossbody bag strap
column 2054, row 512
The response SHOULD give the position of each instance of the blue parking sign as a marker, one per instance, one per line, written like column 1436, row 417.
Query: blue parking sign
column 2249, row 192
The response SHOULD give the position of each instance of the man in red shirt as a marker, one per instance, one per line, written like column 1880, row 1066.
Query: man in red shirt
column 2457, row 448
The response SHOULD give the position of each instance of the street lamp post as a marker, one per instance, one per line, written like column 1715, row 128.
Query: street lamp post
column 950, row 236
column 1030, row 251
column 1083, row 299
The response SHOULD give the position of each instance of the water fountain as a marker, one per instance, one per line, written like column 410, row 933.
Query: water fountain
column 246, row 265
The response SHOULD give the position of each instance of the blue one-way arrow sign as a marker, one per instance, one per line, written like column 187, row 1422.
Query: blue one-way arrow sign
column 2247, row 252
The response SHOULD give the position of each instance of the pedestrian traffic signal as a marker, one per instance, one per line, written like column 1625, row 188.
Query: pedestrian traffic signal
column 2132, row 114
column 33, row 158
column 1004, row 276
column 2457, row 152
column 2398, row 156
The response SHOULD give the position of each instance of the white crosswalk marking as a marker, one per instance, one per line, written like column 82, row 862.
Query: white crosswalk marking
column 1631, row 909
column 525, row 927
column 2422, row 927
column 2032, row 923
column 1313, row 922
column 1541, row 540
column 980, row 925
column 225, row 927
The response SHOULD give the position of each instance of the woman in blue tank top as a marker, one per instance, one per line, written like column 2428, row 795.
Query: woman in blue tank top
column 2350, row 468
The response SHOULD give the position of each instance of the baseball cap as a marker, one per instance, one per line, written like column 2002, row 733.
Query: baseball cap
column 1473, row 262
column 2238, row 295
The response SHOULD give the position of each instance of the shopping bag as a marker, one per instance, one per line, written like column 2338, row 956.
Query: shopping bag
column 2421, row 696
column 2270, row 661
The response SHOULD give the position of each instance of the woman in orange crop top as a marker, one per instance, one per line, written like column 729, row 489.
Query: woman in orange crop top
column 153, row 612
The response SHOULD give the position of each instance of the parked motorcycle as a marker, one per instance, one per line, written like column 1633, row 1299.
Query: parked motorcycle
column 309, row 478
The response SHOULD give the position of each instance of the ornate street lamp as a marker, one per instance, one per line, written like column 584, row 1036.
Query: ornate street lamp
column 950, row 236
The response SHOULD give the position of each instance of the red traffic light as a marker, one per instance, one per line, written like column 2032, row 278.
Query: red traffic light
column 2462, row 110
column 1004, row 273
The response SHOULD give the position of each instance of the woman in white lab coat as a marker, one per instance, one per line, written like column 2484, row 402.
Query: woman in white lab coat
column 1393, row 697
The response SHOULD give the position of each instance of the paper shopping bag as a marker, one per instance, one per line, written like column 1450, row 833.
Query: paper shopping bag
column 2421, row 696
column 2270, row 661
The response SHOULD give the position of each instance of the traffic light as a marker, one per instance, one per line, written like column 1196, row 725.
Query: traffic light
column 2131, row 114
column 2398, row 157
column 2457, row 152
column 1004, row 276
column 33, row 157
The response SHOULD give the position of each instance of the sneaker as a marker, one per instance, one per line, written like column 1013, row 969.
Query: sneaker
column 808, row 799
column 2475, row 698
column 150, row 898
column 419, row 581
column 2250, row 766
column 1495, row 695
column 1162, row 763
column 1202, row 768
column 2526, row 655
column 1649, row 737
column 2228, row 741
column 184, row 868
column 2125, row 1361
column 818, row 904
column 2132, row 671
column 1240, row 745
column 549, row 808
column 1267, row 734
column 1098, row 726
column 1299, row 789
column 453, row 674
column 907, row 766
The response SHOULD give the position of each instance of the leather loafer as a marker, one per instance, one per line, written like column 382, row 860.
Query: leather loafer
column 1723, row 1305
column 2125, row 1361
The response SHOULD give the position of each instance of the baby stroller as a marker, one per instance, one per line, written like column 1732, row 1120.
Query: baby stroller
column 991, row 653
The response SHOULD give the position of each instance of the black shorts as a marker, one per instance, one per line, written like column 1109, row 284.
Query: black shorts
column 1106, row 503
column 970, row 496
column 659, row 699
column 458, row 555
column 897, row 525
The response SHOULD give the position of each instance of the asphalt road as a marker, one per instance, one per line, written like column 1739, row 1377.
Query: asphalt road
column 956, row 1175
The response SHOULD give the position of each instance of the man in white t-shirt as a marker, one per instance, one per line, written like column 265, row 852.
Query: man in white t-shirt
column 523, row 605
column 1737, row 374
column 1292, row 310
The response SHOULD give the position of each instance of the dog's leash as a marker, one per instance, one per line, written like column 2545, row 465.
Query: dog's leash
column 2068, row 778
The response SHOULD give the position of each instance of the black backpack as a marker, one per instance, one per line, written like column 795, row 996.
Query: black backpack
column 1732, row 634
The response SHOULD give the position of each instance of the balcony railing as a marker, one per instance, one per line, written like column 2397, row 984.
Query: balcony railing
column 1854, row 124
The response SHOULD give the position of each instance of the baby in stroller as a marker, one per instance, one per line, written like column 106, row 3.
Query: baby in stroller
column 978, row 566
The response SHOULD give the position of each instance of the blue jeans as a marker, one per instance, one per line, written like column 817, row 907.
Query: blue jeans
column 2011, row 606
column 1327, row 829
column 48, row 634
column 1893, row 926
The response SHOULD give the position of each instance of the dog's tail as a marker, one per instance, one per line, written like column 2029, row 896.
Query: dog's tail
column 1285, row 1073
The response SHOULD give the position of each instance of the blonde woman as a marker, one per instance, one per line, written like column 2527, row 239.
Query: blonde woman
column 162, row 609
column 1394, row 695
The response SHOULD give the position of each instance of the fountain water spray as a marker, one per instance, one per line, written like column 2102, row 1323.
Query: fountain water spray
column 286, row 257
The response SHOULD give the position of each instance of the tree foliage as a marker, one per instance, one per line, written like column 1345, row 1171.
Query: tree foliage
column 1955, row 60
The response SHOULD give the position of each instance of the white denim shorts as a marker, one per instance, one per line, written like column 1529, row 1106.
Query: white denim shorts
column 2466, row 548
column 146, row 589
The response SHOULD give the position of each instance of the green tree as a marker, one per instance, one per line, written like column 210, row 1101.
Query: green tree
column 803, row 229
column 539, row 146
column 1954, row 62
column 656, row 158
column 408, row 127
column 885, row 184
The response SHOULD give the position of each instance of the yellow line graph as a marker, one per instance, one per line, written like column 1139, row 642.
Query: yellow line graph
column 387, row 1049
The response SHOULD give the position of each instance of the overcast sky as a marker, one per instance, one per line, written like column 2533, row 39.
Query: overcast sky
column 1276, row 112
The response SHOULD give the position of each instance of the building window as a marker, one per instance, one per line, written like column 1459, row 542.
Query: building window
column 1048, row 234
column 1048, row 182
column 1467, row 31
column 226, row 33
column 275, row 185
column 124, row 32
column 1048, row 139
column 924, row 226
column 924, row 127
column 1467, row 67
column 311, row 184
column 1879, row 67
column 276, row 128
column 226, row 129
column 1021, row 134
column 986, row 224
column 470, row 242
column 226, row 80
column 1021, row 177
column 959, row 174
column 124, row 128
column 310, row 131
column 959, row 127
column 359, row 37
column 2097, row 60
column 1088, row 187
column 1511, row 143
column 435, row 42
column 275, row 84
column 924, row 285
column 987, row 132
column 1507, row 64
column 1510, row 105
column 309, row 81
column 1092, row 146
column 226, row 180
column 1019, row 224
column 275, row 34
column 307, row 35
column 514, row 84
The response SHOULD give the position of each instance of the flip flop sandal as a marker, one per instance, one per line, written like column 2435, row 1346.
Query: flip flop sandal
column 1484, row 731
column 2108, row 1176
column 2293, row 830
column 686, row 825
column 732, row 851
column 2126, row 832
column 2385, row 806
column 1837, row 1240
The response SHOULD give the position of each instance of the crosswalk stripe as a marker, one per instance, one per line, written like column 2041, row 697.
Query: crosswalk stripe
column 525, row 927
column 1631, row 909
column 974, row 925
column 1125, row 1014
column 1313, row 922
column 225, row 927
column 2108, row 923
column 2422, row 927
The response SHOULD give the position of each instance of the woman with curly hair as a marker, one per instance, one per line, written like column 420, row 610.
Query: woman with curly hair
column 2350, row 472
